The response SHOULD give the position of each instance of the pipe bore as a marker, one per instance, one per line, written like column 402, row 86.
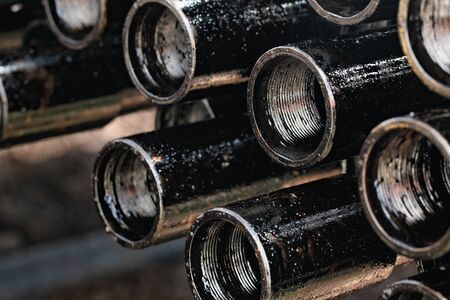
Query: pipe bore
column 424, row 28
column 159, row 50
column 406, row 189
column 345, row 12
column 410, row 289
column 126, row 192
column 289, row 107
column 225, row 265
column 76, row 23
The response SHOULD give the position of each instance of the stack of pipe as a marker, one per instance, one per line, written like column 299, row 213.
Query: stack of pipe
column 301, row 146
column 67, row 72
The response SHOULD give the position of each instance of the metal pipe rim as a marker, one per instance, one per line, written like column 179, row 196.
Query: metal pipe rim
column 221, row 214
column 135, row 73
column 360, row 17
column 442, row 245
column 74, row 43
column 407, row 286
column 403, row 31
column 326, row 142
column 99, row 179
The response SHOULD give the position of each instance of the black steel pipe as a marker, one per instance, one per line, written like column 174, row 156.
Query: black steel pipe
column 305, row 242
column 201, row 110
column 317, row 100
column 149, row 188
column 173, row 48
column 44, row 92
column 405, row 183
column 351, row 12
column 79, row 23
column 430, row 286
column 424, row 29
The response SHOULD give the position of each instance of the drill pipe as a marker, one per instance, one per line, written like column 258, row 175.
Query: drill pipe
column 173, row 48
column 78, row 23
column 405, row 183
column 351, row 12
column 149, row 188
column 318, row 100
column 40, row 91
column 298, row 243
column 430, row 286
column 424, row 29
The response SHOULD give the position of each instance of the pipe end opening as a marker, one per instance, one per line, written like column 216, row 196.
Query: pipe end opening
column 407, row 182
column 425, row 35
column 290, row 111
column 126, row 193
column 223, row 262
column 76, row 23
column 410, row 289
column 159, row 51
column 345, row 12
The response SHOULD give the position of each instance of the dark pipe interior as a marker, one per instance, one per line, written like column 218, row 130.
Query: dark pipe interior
column 429, row 34
column 158, row 48
column 409, row 188
column 289, row 107
column 224, row 264
column 75, row 19
column 128, row 194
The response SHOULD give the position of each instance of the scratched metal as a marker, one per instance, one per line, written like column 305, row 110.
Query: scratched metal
column 299, row 243
column 405, row 183
column 351, row 12
column 433, row 285
column 222, row 40
column 36, row 81
column 149, row 188
column 326, row 95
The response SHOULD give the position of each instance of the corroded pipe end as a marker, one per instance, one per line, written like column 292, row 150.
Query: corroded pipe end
column 405, row 187
column 345, row 12
column 225, row 258
column 127, row 193
column 159, row 48
column 76, row 23
column 424, row 29
column 291, row 107
column 410, row 289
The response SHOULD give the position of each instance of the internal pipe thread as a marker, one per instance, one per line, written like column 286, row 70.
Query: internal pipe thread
column 435, row 18
column 228, row 264
column 411, row 181
column 292, row 102
column 77, row 15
